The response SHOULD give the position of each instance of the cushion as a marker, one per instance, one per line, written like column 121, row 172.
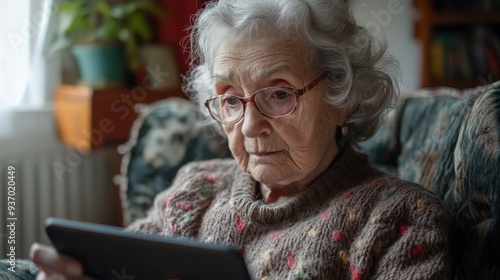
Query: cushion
column 449, row 141
column 166, row 135
column 24, row 270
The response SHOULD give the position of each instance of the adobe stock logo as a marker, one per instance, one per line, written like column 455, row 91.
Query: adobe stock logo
column 33, row 26
column 383, row 18
column 486, row 81
column 122, row 276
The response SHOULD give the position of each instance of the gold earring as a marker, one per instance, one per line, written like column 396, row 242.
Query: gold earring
column 345, row 129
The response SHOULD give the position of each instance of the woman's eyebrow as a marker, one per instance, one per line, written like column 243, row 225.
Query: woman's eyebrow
column 257, row 75
column 277, row 68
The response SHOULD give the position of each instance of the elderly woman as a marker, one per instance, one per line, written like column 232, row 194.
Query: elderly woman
column 295, row 84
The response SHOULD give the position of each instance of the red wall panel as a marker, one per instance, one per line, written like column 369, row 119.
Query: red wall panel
column 173, row 29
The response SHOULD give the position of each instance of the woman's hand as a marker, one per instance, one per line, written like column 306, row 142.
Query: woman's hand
column 53, row 265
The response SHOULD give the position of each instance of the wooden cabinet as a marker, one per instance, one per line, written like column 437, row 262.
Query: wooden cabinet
column 460, row 42
column 88, row 118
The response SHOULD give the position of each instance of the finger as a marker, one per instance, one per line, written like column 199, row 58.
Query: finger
column 81, row 278
column 52, row 261
column 48, row 274
column 44, row 276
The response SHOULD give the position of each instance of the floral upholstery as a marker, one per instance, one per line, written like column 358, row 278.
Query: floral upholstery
column 166, row 135
column 23, row 270
column 449, row 141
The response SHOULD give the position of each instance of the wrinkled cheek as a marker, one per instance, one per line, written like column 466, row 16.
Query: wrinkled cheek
column 237, row 147
column 240, row 155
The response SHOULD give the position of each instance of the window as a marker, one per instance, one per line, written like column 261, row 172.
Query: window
column 23, row 27
column 14, row 52
column 27, row 77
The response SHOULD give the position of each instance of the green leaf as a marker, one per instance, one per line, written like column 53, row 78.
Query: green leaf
column 139, row 23
column 67, row 16
column 119, row 11
column 80, row 23
column 105, row 10
column 79, row 29
column 73, row 21
column 65, row 22
column 131, row 48
column 148, row 6
column 125, row 35
column 122, row 11
column 60, row 42
column 72, row 7
column 108, row 32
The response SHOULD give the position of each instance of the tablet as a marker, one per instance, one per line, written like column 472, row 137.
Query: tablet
column 108, row 252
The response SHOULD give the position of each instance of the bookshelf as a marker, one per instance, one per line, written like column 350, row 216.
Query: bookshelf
column 460, row 42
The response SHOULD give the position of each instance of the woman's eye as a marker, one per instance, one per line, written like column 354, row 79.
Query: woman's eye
column 280, row 94
column 232, row 101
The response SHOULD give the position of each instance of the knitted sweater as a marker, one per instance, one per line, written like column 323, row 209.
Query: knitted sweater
column 353, row 222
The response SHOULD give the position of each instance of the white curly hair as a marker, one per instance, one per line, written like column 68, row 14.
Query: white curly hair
column 362, row 78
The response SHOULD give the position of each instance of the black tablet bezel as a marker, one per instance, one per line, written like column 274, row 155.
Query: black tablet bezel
column 108, row 252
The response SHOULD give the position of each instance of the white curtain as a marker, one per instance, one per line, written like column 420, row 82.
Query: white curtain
column 27, row 77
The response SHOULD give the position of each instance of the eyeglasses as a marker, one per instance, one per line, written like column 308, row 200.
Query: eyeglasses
column 273, row 102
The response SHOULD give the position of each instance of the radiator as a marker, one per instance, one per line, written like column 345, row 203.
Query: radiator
column 55, row 181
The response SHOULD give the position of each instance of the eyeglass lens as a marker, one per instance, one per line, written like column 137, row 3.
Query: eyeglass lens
column 273, row 102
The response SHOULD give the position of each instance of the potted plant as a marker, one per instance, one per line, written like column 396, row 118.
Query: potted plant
column 105, row 36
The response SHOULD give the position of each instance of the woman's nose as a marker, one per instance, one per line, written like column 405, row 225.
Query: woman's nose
column 254, row 122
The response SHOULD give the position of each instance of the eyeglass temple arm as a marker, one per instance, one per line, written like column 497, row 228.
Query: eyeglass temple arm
column 312, row 84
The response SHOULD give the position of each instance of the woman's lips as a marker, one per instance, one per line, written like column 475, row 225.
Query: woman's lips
column 262, row 154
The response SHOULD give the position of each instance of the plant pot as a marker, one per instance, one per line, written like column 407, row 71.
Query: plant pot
column 101, row 65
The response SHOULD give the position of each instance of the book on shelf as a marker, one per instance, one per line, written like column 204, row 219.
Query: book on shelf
column 465, row 62
column 493, row 60
column 465, row 55
column 479, row 51
column 437, row 59
column 493, row 52
column 496, row 4
column 452, row 6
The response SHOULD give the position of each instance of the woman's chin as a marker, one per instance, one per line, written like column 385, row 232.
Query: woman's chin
column 268, row 174
column 268, row 169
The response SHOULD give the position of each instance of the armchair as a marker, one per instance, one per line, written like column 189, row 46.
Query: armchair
column 448, row 141
column 445, row 139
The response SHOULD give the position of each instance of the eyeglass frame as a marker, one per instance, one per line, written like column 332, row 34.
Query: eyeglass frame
column 245, row 100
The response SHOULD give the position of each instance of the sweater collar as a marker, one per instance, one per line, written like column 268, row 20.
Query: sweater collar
column 348, row 170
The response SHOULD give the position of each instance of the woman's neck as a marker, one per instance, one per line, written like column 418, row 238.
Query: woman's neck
column 271, row 194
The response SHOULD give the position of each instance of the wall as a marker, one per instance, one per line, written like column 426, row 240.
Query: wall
column 173, row 29
column 394, row 20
